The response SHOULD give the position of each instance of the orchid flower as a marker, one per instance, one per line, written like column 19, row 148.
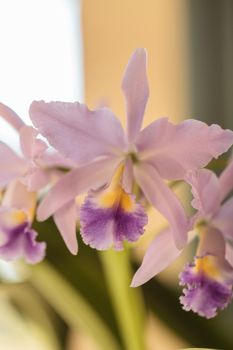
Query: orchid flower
column 35, row 169
column 18, row 239
column 208, row 280
column 110, row 161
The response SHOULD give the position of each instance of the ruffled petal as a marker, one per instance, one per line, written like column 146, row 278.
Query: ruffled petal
column 12, row 166
column 76, row 182
column 159, row 255
column 176, row 149
column 208, row 280
column 226, row 180
column 76, row 132
column 164, row 200
column 34, row 251
column 205, row 190
column 136, row 90
column 104, row 225
column 65, row 220
column 18, row 240
column 202, row 294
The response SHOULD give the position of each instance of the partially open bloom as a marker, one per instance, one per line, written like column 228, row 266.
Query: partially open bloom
column 208, row 280
column 36, row 168
column 96, row 141
column 17, row 238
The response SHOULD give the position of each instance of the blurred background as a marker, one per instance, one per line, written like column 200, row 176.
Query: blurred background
column 70, row 50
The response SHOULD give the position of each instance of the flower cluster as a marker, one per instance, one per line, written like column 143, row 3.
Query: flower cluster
column 92, row 155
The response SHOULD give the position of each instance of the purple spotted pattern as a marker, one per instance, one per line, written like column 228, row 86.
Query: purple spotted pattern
column 203, row 295
column 20, row 242
column 102, row 228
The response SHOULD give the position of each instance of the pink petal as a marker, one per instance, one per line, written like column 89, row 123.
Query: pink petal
column 205, row 190
column 164, row 200
column 76, row 182
column 65, row 219
column 223, row 220
column 55, row 159
column 226, row 180
column 159, row 255
column 211, row 242
column 76, row 132
column 30, row 145
column 12, row 166
column 229, row 253
column 127, row 180
column 18, row 197
column 176, row 149
column 11, row 117
column 35, row 179
column 136, row 91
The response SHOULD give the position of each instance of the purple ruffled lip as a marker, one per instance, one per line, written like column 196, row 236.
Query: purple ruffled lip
column 20, row 242
column 102, row 228
column 203, row 295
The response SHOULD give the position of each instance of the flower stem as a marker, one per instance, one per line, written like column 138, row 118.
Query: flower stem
column 127, row 302
column 71, row 306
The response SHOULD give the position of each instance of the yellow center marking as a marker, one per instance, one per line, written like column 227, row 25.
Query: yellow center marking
column 208, row 266
column 114, row 195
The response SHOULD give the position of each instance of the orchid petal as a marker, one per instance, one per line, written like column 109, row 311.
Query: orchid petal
column 164, row 200
column 76, row 132
column 30, row 145
column 176, row 149
column 11, row 117
column 223, row 220
column 127, row 179
column 229, row 253
column 56, row 159
column 77, row 181
column 136, row 91
column 205, row 190
column 17, row 197
column 12, row 166
column 226, row 180
column 159, row 255
column 35, row 179
column 212, row 242
column 65, row 220
column 34, row 251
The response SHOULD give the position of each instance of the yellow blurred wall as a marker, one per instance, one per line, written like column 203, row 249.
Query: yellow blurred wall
column 112, row 29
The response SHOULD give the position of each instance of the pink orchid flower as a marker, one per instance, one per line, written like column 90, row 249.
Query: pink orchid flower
column 18, row 239
column 35, row 169
column 209, row 278
column 110, row 160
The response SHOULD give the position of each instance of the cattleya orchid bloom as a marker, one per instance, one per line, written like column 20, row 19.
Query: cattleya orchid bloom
column 110, row 161
column 208, row 280
column 17, row 238
column 36, row 169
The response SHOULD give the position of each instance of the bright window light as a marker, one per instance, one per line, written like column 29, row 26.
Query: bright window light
column 40, row 55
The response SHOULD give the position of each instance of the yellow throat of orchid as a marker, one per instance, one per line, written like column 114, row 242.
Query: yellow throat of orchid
column 115, row 195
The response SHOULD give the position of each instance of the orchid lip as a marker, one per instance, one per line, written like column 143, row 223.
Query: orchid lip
column 204, row 292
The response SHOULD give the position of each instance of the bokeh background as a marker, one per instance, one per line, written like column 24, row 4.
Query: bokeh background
column 70, row 50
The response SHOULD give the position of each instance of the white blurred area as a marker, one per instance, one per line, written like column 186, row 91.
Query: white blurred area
column 40, row 55
column 40, row 58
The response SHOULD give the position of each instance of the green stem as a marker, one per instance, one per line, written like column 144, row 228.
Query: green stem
column 127, row 302
column 71, row 306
